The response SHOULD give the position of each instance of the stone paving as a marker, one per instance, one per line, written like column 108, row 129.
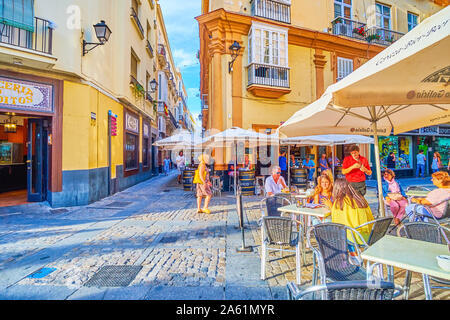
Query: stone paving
column 154, row 225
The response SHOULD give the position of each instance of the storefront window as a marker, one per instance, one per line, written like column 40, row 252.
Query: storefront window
column 442, row 145
column 402, row 149
column 131, row 154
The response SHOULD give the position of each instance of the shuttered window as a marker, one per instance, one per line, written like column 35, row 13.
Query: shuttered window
column 17, row 13
column 267, row 45
column 344, row 68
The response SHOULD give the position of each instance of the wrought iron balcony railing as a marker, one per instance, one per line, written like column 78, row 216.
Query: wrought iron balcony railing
column 382, row 36
column 349, row 28
column 261, row 74
column 135, row 17
column 149, row 49
column 271, row 9
column 41, row 40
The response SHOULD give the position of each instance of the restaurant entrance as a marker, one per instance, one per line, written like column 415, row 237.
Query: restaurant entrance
column 24, row 159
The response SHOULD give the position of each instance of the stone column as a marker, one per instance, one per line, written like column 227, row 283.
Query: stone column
column 319, row 62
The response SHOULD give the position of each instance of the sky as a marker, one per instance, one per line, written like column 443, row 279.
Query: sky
column 182, row 29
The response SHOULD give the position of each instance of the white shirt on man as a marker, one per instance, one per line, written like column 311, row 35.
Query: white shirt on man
column 272, row 186
column 180, row 161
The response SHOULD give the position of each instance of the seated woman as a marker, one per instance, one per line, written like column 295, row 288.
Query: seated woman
column 322, row 193
column 394, row 196
column 350, row 208
column 441, row 180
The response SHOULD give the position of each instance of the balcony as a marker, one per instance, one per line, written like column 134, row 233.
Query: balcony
column 349, row 28
column 268, row 81
column 384, row 37
column 137, row 23
column 271, row 9
column 173, row 120
column 149, row 49
column 161, row 108
column 41, row 40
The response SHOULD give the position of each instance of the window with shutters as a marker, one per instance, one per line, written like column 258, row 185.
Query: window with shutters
column 383, row 16
column 344, row 68
column 412, row 20
column 268, row 55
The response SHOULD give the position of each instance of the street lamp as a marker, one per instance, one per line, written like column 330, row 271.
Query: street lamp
column 235, row 48
column 153, row 85
column 102, row 32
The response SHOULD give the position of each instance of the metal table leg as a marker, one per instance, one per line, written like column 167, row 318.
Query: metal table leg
column 426, row 287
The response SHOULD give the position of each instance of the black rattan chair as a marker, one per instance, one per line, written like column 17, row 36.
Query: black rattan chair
column 346, row 290
column 281, row 231
column 332, row 253
column 269, row 205
column 379, row 229
column 429, row 232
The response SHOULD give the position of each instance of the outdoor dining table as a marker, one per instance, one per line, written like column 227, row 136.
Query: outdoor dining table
column 413, row 255
column 416, row 194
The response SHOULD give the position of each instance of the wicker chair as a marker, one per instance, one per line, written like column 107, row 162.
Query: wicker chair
column 430, row 232
column 379, row 229
column 332, row 253
column 346, row 290
column 281, row 231
column 269, row 205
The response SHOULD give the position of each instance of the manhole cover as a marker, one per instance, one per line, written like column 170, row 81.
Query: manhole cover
column 168, row 240
column 118, row 204
column 114, row 276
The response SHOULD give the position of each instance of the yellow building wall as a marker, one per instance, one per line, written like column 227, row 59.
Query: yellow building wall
column 81, row 134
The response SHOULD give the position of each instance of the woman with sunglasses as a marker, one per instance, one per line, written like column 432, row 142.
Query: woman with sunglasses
column 394, row 196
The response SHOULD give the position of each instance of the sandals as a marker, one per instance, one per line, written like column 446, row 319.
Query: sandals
column 207, row 211
column 199, row 211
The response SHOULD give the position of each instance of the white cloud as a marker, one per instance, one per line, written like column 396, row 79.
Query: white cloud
column 184, row 58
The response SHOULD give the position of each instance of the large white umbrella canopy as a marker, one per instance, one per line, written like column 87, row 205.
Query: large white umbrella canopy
column 403, row 88
column 181, row 139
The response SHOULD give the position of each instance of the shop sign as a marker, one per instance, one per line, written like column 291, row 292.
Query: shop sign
column 132, row 123
column 146, row 130
column 430, row 131
column 444, row 131
column 26, row 95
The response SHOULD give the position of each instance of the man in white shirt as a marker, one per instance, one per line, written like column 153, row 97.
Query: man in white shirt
column 181, row 163
column 275, row 183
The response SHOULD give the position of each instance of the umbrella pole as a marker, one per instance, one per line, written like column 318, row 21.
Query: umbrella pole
column 378, row 168
column 289, row 167
column 332, row 158
column 235, row 164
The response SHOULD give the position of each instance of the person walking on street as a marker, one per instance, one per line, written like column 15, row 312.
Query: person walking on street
column 166, row 165
column 421, row 159
column 201, row 179
column 436, row 164
column 355, row 168
column 181, row 165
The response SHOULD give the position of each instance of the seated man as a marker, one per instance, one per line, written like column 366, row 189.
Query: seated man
column 310, row 167
column 275, row 183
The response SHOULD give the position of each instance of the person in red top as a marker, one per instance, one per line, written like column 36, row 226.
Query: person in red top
column 356, row 167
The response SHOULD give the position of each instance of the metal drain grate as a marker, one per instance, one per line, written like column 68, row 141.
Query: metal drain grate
column 114, row 276
column 58, row 211
column 118, row 204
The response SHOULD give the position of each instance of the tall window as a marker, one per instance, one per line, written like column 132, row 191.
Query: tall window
column 268, row 45
column 343, row 8
column 134, row 65
column 412, row 20
column 17, row 13
column 344, row 68
column 383, row 16
column 131, row 132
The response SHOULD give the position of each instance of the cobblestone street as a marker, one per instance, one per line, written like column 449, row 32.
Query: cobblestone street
column 169, row 251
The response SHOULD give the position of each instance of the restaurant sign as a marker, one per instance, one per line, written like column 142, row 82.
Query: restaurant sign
column 26, row 95
column 132, row 123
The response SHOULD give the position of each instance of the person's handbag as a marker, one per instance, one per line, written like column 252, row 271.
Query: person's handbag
column 395, row 196
column 197, row 177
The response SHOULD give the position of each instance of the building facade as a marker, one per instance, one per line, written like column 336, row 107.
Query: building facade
column 84, row 112
column 291, row 51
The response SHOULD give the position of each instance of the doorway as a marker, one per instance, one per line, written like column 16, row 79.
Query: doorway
column 24, row 159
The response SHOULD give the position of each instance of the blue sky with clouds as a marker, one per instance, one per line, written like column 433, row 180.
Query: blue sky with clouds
column 182, row 29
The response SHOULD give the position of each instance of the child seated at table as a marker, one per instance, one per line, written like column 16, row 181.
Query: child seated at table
column 323, row 192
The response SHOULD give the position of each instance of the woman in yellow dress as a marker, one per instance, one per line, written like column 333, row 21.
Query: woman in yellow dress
column 350, row 208
column 201, row 179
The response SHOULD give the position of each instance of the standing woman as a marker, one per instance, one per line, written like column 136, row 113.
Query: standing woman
column 201, row 178
column 436, row 165
column 181, row 165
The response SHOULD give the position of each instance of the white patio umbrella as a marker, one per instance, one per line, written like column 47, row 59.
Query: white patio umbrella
column 330, row 140
column 181, row 139
column 230, row 138
column 404, row 87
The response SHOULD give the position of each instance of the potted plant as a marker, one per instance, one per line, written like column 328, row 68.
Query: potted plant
column 360, row 31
